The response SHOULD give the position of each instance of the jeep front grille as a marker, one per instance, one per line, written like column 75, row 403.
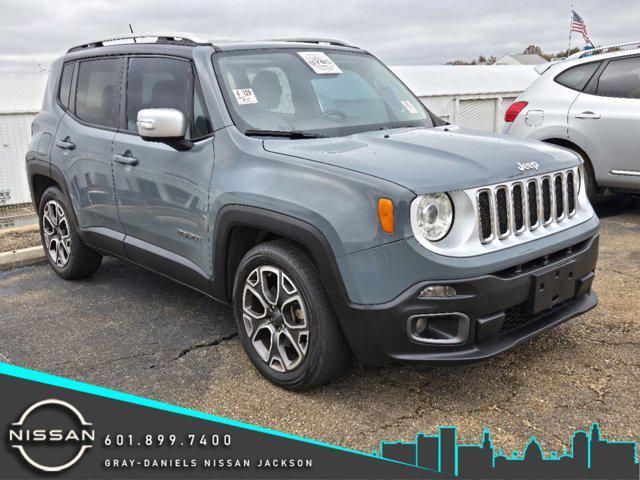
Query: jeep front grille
column 518, row 208
column 571, row 192
column 502, row 212
column 559, row 196
column 505, row 210
column 546, row 200
column 532, row 202
column 484, row 207
column 503, row 215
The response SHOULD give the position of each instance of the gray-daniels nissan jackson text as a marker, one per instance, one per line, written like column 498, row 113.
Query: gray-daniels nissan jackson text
column 301, row 182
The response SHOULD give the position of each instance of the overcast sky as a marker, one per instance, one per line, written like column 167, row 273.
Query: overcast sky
column 34, row 32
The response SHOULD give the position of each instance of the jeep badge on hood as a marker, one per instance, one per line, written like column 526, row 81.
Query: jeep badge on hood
column 528, row 166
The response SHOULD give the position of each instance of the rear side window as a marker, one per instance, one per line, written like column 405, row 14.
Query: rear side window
column 98, row 92
column 577, row 78
column 157, row 83
column 65, row 85
column 621, row 78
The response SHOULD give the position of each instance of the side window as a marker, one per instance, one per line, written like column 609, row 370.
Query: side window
column 65, row 84
column 577, row 78
column 201, row 123
column 621, row 78
column 156, row 82
column 98, row 91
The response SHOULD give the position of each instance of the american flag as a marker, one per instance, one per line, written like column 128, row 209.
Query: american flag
column 578, row 25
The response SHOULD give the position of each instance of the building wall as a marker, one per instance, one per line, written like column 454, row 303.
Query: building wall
column 15, row 134
column 479, row 112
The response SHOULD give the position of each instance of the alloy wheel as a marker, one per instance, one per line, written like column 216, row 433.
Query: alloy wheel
column 275, row 318
column 55, row 227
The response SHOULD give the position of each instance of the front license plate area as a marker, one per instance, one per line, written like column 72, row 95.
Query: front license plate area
column 552, row 287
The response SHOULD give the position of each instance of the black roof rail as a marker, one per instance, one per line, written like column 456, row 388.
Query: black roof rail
column 160, row 38
column 319, row 41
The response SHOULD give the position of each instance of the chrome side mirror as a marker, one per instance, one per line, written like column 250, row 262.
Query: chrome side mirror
column 161, row 123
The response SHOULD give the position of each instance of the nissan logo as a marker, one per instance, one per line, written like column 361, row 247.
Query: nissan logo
column 51, row 435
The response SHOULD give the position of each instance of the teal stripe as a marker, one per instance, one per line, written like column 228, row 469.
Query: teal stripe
column 40, row 377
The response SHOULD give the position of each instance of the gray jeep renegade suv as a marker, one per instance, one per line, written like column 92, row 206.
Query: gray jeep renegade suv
column 301, row 182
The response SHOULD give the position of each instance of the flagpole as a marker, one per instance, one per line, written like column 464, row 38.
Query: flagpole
column 570, row 27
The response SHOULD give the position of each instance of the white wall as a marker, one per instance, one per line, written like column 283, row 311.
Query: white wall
column 15, row 134
column 480, row 112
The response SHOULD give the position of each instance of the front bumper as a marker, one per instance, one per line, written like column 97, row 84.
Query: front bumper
column 498, row 306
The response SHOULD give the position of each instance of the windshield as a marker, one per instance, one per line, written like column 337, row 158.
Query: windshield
column 319, row 92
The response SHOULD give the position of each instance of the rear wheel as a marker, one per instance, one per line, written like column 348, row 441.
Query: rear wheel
column 591, row 186
column 284, row 318
column 67, row 254
column 590, row 181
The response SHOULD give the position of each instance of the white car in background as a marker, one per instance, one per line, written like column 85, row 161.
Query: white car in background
column 589, row 103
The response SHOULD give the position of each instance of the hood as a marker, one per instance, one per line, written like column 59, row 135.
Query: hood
column 427, row 160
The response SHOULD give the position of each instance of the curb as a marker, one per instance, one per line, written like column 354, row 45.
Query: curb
column 21, row 258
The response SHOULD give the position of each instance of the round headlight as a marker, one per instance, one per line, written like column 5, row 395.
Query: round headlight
column 434, row 216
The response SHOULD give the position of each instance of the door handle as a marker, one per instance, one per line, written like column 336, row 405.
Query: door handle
column 125, row 160
column 587, row 116
column 65, row 144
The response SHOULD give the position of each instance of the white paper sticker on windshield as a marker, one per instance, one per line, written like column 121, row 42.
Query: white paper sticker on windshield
column 245, row 96
column 409, row 106
column 320, row 63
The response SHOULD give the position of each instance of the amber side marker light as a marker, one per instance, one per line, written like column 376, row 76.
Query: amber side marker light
column 385, row 213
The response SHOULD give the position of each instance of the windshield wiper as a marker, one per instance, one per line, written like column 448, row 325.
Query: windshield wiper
column 283, row 133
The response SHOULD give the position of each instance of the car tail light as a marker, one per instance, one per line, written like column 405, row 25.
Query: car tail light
column 513, row 111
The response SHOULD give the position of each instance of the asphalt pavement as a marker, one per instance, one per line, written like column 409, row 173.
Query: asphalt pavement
column 134, row 331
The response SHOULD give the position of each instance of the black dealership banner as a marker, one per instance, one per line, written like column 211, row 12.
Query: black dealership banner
column 55, row 427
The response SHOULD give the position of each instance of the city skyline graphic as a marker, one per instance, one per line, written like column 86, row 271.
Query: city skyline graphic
column 588, row 456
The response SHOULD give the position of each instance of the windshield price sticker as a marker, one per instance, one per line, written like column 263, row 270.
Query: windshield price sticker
column 320, row 63
column 409, row 106
column 245, row 96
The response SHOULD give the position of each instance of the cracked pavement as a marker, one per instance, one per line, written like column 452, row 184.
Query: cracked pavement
column 137, row 332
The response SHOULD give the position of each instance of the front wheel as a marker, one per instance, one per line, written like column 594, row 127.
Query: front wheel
column 284, row 318
column 67, row 254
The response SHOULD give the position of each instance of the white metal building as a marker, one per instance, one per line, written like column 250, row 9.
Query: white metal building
column 521, row 59
column 20, row 99
column 473, row 96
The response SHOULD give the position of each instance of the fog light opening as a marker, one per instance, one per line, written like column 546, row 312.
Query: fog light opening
column 439, row 328
column 421, row 325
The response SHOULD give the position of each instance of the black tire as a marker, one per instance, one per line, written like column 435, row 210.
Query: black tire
column 327, row 352
column 82, row 261
column 591, row 186
column 590, row 181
